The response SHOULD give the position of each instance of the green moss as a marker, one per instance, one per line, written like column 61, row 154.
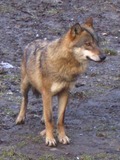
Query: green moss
column 52, row 11
column 110, row 52
column 47, row 157
column 37, row 139
column 6, row 9
column 8, row 111
column 86, row 157
column 107, row 156
column 21, row 144
column 11, row 154
column 101, row 156
column 51, row 157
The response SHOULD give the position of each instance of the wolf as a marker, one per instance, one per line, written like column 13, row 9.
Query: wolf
column 51, row 68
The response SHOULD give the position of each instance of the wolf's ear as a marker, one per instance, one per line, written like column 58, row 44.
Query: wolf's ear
column 75, row 30
column 89, row 22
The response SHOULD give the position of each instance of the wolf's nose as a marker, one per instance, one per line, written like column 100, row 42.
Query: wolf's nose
column 102, row 57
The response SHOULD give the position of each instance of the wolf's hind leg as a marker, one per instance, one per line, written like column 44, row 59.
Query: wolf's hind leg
column 24, row 89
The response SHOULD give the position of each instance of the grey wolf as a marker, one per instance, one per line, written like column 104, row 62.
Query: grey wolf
column 51, row 68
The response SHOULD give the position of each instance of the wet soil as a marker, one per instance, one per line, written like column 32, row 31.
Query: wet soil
column 93, row 114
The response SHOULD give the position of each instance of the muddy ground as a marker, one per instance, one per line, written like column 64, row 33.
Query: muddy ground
column 93, row 114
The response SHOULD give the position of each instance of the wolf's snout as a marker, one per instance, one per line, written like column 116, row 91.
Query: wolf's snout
column 102, row 57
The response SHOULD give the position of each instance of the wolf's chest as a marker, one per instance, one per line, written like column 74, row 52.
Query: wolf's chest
column 57, row 87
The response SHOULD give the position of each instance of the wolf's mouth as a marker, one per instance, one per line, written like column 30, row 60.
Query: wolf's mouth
column 100, row 60
column 90, row 59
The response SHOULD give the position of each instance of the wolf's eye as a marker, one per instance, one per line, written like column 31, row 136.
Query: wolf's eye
column 88, row 44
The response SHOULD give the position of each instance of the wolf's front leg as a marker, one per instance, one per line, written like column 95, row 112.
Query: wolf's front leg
column 47, row 113
column 62, row 99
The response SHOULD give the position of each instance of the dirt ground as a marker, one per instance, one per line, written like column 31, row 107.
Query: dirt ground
column 93, row 114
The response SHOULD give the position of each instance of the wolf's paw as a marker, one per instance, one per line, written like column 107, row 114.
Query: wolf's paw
column 20, row 120
column 63, row 139
column 51, row 142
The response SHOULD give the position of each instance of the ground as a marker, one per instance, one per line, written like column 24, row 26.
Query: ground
column 93, row 114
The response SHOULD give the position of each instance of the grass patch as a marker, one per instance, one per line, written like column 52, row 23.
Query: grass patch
column 37, row 139
column 8, row 111
column 6, row 9
column 86, row 157
column 47, row 157
column 11, row 154
column 29, row 139
column 100, row 156
column 107, row 156
column 1, row 93
column 110, row 52
column 14, row 78
column 52, row 11
column 21, row 144
column 51, row 157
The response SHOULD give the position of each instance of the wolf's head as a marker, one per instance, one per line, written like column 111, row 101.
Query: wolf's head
column 84, row 42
